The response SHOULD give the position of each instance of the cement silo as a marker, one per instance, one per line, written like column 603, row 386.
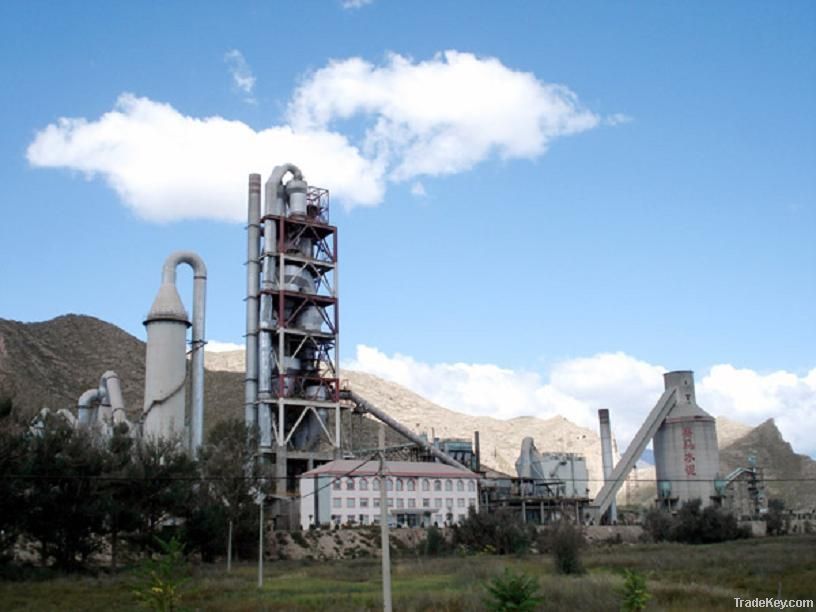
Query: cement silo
column 164, row 410
column 687, row 458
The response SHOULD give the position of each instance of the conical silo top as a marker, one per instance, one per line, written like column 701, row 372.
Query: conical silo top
column 167, row 306
column 686, row 406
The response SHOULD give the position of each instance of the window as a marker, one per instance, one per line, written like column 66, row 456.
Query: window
column 426, row 484
column 460, row 502
column 437, row 485
column 438, row 519
column 412, row 503
column 460, row 485
column 364, row 519
column 471, row 485
column 376, row 483
column 364, row 502
column 337, row 485
column 412, row 484
column 364, row 484
column 350, row 502
column 426, row 502
column 376, row 501
column 449, row 502
column 337, row 503
column 400, row 502
column 351, row 518
column 472, row 502
column 400, row 485
column 390, row 502
column 438, row 502
column 389, row 484
column 336, row 519
column 449, row 485
column 350, row 484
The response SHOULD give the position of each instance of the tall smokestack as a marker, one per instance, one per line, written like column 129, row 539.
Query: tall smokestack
column 606, row 457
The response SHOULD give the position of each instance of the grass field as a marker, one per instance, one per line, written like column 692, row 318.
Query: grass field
column 680, row 577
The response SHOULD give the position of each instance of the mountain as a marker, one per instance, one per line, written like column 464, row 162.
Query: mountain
column 788, row 476
column 51, row 363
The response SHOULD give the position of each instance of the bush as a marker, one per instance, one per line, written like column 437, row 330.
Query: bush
column 512, row 591
column 566, row 543
column 162, row 577
column 434, row 543
column 502, row 530
column 694, row 525
column 635, row 593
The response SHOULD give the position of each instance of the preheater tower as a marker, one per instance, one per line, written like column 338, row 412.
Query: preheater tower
column 291, row 385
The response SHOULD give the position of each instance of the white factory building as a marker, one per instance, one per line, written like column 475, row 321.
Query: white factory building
column 347, row 492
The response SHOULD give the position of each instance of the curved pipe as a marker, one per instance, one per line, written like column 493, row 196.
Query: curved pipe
column 85, row 404
column 110, row 380
column 199, row 306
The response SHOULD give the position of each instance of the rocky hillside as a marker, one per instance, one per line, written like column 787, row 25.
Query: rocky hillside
column 53, row 362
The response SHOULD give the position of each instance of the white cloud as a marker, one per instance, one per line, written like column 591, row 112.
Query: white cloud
column 214, row 346
column 427, row 118
column 418, row 190
column 617, row 119
column 443, row 115
column 242, row 76
column 577, row 388
column 168, row 166
column 354, row 4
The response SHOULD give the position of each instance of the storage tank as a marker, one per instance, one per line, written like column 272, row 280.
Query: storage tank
column 687, row 458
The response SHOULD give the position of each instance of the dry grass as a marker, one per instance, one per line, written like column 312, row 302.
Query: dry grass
column 680, row 577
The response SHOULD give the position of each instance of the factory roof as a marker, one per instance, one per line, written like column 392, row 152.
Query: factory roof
column 408, row 469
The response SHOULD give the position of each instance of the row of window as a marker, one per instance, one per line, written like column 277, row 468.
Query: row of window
column 352, row 502
column 401, row 520
column 403, row 484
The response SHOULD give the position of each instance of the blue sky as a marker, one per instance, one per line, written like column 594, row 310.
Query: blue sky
column 663, row 218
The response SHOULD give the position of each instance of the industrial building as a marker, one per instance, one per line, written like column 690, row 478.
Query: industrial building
column 294, row 397
column 419, row 494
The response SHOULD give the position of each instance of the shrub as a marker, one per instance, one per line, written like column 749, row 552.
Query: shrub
column 566, row 543
column 635, row 593
column 512, row 591
column 162, row 577
column 694, row 525
column 434, row 543
column 502, row 530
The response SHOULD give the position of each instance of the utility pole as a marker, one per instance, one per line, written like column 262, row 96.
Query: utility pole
column 260, row 497
column 386, row 547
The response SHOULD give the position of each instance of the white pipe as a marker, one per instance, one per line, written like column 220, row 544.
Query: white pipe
column 199, row 307
column 253, row 272
column 110, row 381
column 85, row 405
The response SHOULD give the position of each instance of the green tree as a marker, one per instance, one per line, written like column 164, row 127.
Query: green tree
column 64, row 510
column 775, row 517
column 230, row 471
column 511, row 591
column 13, row 450
column 635, row 593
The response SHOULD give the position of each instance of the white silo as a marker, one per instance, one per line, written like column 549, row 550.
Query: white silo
column 166, row 357
column 687, row 458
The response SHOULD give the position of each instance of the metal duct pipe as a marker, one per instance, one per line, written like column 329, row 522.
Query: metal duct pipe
column 110, row 381
column 606, row 458
column 253, row 272
column 366, row 406
column 197, row 345
column 85, row 405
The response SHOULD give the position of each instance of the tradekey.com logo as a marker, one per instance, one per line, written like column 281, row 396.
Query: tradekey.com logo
column 773, row 602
